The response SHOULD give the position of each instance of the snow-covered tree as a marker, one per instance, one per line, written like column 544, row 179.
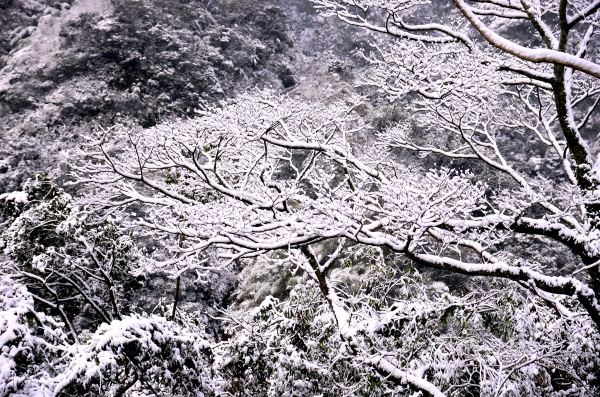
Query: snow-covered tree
column 64, row 263
column 276, row 178
column 482, row 75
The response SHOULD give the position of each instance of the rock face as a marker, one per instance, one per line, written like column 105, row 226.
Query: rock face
column 68, row 67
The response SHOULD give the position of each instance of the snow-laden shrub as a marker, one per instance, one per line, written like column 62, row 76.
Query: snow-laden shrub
column 30, row 343
column 147, row 354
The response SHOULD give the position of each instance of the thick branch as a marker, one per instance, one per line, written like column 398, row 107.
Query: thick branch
column 527, row 54
column 556, row 285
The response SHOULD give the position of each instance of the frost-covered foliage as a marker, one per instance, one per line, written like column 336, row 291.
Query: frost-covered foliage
column 145, row 354
column 498, row 342
column 74, row 268
column 283, row 348
column 80, row 269
column 31, row 343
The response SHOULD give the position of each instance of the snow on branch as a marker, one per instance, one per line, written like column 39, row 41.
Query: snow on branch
column 267, row 173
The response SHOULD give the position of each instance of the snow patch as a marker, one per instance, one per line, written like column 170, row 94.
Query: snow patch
column 17, row 197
